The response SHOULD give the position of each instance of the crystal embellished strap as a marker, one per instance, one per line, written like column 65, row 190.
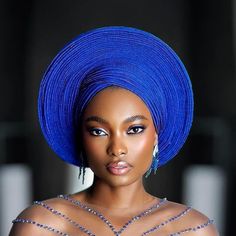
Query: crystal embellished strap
column 173, row 218
column 56, row 212
column 107, row 222
column 193, row 229
column 42, row 226
column 58, row 232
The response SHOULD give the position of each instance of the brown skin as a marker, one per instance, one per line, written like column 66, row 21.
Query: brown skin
column 120, row 196
column 111, row 137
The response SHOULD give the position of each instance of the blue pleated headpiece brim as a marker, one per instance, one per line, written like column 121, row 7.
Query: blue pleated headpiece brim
column 115, row 56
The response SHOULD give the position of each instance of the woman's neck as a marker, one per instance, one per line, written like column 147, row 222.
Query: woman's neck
column 124, row 197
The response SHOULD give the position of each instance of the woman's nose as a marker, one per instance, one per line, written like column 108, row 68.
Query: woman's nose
column 117, row 148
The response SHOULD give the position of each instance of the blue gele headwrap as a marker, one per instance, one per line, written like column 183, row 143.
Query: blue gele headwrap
column 115, row 56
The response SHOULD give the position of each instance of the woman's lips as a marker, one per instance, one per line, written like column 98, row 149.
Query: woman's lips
column 119, row 168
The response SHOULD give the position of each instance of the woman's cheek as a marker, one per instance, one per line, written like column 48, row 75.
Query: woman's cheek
column 91, row 142
column 94, row 148
column 141, row 149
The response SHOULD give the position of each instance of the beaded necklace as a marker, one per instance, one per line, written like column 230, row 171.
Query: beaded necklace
column 106, row 221
column 92, row 211
column 58, row 232
column 83, row 229
column 58, row 213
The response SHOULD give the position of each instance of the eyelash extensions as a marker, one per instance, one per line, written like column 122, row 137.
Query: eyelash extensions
column 92, row 130
column 137, row 127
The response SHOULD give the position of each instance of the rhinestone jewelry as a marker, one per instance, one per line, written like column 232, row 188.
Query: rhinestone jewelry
column 174, row 218
column 43, row 226
column 55, row 212
column 107, row 222
column 193, row 228
column 98, row 214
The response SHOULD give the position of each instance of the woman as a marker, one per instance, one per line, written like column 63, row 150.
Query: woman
column 117, row 100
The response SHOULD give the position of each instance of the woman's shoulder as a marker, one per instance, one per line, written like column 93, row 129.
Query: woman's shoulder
column 40, row 214
column 188, row 219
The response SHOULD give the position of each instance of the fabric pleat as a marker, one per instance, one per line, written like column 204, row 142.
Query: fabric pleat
column 115, row 56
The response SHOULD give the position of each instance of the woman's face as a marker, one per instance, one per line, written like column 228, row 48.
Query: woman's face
column 118, row 136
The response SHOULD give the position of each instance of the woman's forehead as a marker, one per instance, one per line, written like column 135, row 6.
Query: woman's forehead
column 116, row 101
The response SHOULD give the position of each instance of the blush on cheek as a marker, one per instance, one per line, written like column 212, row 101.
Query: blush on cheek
column 145, row 145
column 141, row 151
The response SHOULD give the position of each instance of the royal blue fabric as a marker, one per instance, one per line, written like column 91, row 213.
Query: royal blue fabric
column 115, row 56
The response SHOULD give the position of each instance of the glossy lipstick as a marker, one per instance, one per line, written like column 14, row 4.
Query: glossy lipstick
column 118, row 168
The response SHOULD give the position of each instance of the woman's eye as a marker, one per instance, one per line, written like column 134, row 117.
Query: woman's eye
column 97, row 132
column 136, row 130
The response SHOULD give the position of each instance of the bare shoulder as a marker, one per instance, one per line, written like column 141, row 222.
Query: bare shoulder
column 200, row 224
column 27, row 221
column 197, row 219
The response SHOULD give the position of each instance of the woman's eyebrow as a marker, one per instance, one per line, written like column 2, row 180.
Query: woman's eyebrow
column 134, row 118
column 97, row 119
column 127, row 120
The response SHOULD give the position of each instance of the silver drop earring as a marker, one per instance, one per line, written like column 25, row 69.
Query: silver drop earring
column 155, row 162
column 155, row 151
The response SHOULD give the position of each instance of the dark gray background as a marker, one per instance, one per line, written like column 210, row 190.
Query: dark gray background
column 202, row 34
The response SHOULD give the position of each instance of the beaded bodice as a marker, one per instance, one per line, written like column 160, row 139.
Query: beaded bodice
column 116, row 232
